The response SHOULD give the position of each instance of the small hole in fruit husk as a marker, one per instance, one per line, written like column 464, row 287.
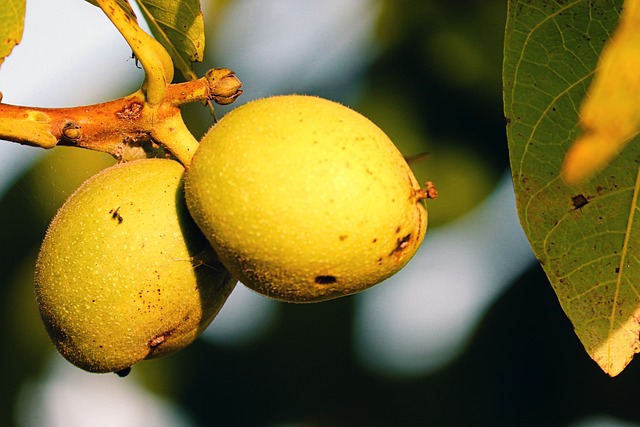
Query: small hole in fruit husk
column 123, row 372
column 325, row 280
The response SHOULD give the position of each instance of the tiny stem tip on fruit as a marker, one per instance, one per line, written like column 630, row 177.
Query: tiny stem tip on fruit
column 429, row 192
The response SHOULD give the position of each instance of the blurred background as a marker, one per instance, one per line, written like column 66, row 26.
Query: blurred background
column 468, row 334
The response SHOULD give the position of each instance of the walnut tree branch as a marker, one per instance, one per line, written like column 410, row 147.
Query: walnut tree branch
column 126, row 127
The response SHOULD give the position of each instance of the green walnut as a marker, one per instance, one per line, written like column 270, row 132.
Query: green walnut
column 124, row 274
column 305, row 199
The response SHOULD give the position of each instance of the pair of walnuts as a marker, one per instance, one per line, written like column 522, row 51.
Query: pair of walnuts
column 299, row 198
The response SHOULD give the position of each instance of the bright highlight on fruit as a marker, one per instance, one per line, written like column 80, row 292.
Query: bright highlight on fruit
column 124, row 274
column 304, row 199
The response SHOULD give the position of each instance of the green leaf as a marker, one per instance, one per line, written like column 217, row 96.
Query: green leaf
column 587, row 237
column 11, row 25
column 179, row 26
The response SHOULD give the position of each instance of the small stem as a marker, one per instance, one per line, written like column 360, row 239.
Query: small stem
column 187, row 92
column 155, row 60
column 429, row 192
column 173, row 134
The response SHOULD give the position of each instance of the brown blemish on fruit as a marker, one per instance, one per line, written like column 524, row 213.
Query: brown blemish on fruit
column 402, row 244
column 325, row 280
column 115, row 214
column 342, row 237
column 157, row 340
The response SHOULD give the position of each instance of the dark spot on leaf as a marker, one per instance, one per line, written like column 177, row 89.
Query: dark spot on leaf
column 325, row 280
column 579, row 201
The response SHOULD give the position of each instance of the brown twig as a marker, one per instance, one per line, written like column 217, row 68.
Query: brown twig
column 126, row 127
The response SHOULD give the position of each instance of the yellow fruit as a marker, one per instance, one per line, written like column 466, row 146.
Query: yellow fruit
column 123, row 273
column 305, row 199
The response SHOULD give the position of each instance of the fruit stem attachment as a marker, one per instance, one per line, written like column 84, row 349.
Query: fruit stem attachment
column 176, row 137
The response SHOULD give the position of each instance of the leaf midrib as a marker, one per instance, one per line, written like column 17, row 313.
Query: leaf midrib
column 623, row 258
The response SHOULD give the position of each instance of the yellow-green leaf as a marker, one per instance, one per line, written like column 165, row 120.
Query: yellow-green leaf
column 587, row 236
column 610, row 113
column 11, row 25
column 124, row 5
column 179, row 26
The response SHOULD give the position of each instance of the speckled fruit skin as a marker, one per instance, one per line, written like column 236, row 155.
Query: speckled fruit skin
column 305, row 199
column 115, row 279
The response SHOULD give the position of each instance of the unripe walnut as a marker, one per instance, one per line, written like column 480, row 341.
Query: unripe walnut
column 305, row 199
column 123, row 273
